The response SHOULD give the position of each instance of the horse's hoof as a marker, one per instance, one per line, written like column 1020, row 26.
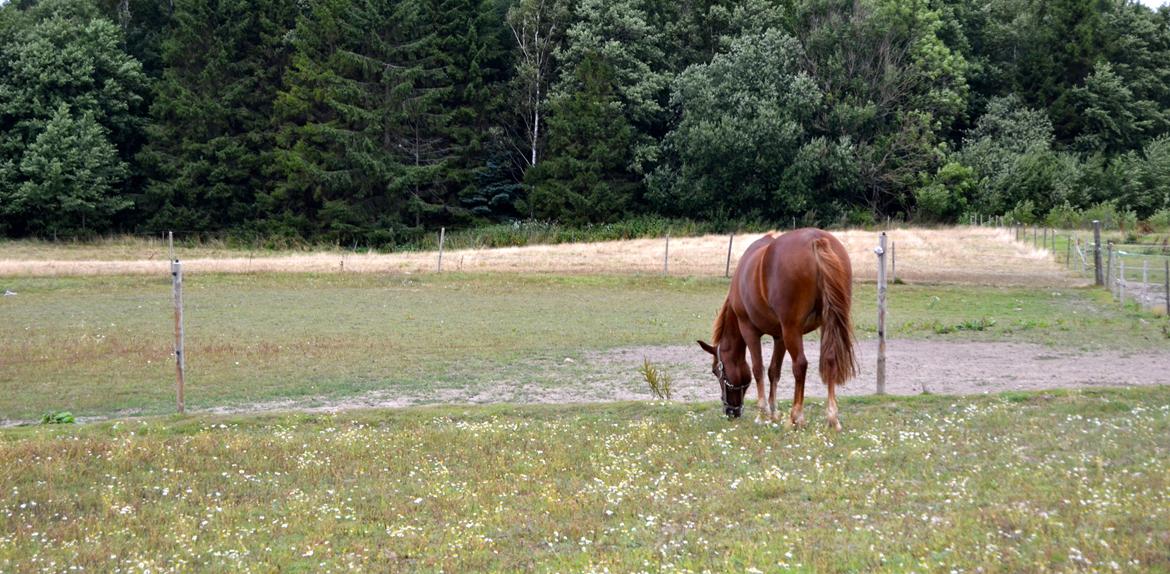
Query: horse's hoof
column 834, row 424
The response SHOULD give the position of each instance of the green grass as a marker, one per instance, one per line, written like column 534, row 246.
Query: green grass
column 102, row 345
column 1020, row 482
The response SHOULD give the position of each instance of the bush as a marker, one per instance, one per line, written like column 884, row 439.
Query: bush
column 1024, row 212
column 1065, row 216
column 57, row 418
column 1160, row 220
column 1110, row 216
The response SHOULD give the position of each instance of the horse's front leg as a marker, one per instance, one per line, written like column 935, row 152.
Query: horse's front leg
column 774, row 376
column 763, row 415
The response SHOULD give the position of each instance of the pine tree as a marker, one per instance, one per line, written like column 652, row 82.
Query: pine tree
column 332, row 159
column 472, row 45
column 365, row 142
column 584, row 178
column 211, row 139
column 71, row 173
column 420, row 84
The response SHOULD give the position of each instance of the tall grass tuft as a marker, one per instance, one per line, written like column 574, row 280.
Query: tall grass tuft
column 658, row 381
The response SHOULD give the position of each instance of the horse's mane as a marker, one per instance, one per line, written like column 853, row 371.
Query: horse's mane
column 717, row 330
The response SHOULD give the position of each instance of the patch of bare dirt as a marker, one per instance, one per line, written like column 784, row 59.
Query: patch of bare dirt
column 952, row 368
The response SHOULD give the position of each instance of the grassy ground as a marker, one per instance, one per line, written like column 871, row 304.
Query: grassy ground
column 102, row 345
column 1060, row 481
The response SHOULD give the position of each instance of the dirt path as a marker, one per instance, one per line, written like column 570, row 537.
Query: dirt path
column 954, row 368
column 951, row 368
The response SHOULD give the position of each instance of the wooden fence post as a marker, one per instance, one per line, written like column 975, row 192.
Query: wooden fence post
column 1100, row 277
column 727, row 269
column 881, row 358
column 180, row 357
column 666, row 257
column 442, row 237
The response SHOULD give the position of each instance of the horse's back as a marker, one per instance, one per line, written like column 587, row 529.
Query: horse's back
column 777, row 282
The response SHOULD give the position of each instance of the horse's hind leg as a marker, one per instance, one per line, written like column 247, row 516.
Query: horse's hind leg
column 834, row 423
column 774, row 376
column 794, row 343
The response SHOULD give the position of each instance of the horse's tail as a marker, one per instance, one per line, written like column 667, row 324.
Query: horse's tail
column 838, row 360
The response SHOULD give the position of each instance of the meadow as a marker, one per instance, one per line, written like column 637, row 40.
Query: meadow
column 1054, row 481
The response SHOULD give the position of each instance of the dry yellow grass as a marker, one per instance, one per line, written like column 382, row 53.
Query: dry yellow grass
column 971, row 255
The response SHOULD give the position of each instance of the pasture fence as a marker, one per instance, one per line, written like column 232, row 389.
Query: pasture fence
column 1138, row 274
column 1134, row 273
column 1140, row 278
column 967, row 255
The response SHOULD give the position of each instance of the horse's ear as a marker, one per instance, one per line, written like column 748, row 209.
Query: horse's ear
column 706, row 347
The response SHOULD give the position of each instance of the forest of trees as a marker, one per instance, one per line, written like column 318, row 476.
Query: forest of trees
column 374, row 120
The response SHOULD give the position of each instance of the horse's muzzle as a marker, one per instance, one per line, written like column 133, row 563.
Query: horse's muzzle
column 733, row 412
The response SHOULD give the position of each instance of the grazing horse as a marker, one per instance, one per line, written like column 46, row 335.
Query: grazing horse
column 785, row 287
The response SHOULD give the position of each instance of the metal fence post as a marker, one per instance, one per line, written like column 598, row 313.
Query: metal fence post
column 1100, row 277
column 1109, row 266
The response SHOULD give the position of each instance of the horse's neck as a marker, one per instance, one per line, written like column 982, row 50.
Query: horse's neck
column 730, row 339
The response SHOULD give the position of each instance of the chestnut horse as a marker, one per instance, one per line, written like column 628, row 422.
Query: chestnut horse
column 785, row 287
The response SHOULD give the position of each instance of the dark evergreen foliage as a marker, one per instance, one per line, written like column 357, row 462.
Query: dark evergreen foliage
column 373, row 121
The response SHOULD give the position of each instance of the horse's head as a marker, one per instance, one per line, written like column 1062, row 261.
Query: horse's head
column 734, row 378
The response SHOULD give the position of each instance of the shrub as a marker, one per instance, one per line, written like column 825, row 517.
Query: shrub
column 57, row 418
column 1160, row 220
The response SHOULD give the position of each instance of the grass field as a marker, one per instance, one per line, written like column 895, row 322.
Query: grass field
column 1011, row 482
column 102, row 345
column 1059, row 481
